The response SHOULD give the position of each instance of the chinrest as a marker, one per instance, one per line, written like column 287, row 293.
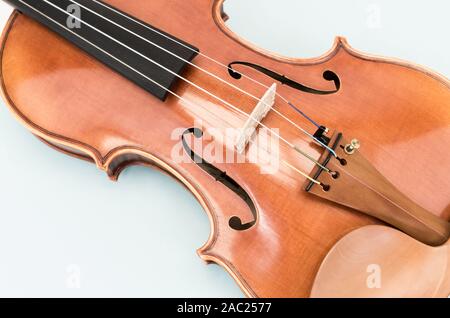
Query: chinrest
column 379, row 261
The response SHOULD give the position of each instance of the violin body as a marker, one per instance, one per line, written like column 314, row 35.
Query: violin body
column 399, row 111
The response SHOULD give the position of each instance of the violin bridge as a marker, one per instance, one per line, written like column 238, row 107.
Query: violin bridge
column 259, row 113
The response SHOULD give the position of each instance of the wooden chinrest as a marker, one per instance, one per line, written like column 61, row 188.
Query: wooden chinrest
column 378, row 261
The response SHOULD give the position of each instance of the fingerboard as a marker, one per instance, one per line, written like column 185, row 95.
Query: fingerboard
column 147, row 56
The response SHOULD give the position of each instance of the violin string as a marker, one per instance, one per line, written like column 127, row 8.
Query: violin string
column 285, row 100
column 234, row 108
column 316, row 140
column 304, row 174
column 208, row 58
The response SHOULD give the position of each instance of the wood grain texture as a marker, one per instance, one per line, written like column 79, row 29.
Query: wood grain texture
column 400, row 112
column 403, row 266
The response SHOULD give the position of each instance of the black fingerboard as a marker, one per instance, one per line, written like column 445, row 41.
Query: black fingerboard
column 123, row 43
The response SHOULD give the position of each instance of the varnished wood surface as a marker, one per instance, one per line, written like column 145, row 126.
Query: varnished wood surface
column 377, row 261
column 400, row 113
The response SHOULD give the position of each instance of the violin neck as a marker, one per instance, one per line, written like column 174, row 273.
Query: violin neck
column 105, row 33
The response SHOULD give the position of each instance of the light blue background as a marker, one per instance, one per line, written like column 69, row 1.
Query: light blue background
column 60, row 217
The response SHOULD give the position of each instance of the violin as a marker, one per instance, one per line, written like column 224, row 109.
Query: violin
column 311, row 171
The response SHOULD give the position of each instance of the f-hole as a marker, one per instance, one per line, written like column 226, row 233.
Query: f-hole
column 235, row 222
column 329, row 76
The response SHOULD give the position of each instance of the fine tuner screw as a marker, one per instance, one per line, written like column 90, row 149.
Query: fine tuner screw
column 352, row 147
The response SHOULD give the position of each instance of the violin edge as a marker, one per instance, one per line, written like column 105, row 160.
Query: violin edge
column 80, row 150
column 340, row 42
